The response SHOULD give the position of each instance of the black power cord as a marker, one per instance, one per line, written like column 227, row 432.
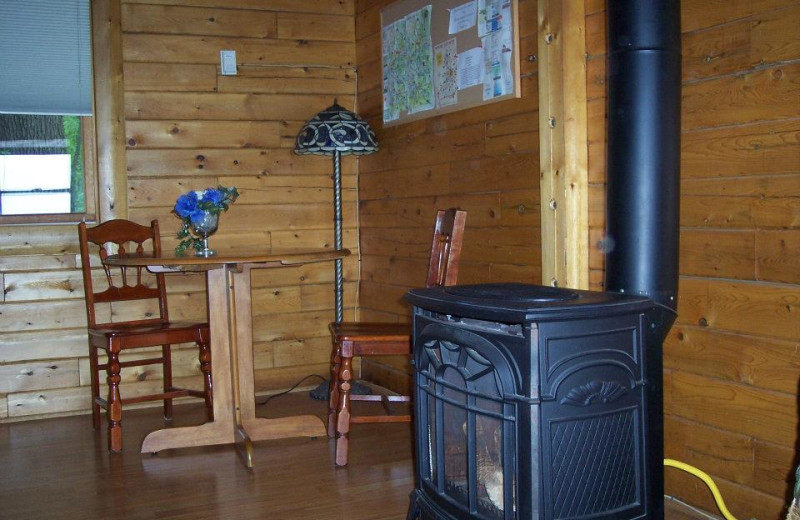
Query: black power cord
column 265, row 401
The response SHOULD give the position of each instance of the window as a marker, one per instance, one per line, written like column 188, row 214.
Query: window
column 46, row 128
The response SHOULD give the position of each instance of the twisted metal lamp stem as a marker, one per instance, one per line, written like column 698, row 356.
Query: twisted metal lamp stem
column 337, row 233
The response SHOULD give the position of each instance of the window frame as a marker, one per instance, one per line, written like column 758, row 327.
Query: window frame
column 100, row 40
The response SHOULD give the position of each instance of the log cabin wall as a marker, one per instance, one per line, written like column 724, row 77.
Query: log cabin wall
column 731, row 361
column 483, row 160
column 188, row 127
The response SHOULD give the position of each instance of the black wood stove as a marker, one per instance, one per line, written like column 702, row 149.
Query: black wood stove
column 538, row 403
column 531, row 403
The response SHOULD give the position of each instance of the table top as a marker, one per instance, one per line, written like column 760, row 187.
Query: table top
column 236, row 256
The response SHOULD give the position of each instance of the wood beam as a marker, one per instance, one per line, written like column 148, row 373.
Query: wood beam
column 563, row 147
column 109, row 112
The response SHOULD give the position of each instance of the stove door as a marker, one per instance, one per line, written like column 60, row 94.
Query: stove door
column 467, row 430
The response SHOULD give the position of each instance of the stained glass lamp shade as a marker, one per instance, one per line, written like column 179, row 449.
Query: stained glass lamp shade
column 336, row 131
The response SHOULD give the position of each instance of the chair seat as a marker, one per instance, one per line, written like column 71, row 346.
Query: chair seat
column 134, row 335
column 365, row 338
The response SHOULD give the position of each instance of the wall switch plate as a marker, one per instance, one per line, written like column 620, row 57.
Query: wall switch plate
column 227, row 62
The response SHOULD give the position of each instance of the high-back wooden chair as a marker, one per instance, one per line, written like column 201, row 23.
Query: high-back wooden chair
column 127, row 284
column 380, row 339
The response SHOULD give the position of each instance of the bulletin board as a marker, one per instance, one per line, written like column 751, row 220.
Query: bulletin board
column 440, row 56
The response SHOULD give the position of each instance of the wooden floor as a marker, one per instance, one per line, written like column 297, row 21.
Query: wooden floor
column 59, row 468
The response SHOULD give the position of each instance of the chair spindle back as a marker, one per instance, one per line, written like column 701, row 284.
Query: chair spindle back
column 121, row 237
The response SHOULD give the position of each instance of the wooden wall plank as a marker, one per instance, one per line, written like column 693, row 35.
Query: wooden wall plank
column 751, row 42
column 760, row 309
column 37, row 262
column 778, row 255
column 758, row 95
column 223, row 107
column 766, row 186
column 768, row 416
column 200, row 134
column 22, row 377
column 316, row 27
column 338, row 81
column 169, row 48
column 726, row 254
column 143, row 18
column 170, row 76
column 767, row 363
column 227, row 162
column 740, row 212
column 732, row 151
column 343, row 7
column 700, row 14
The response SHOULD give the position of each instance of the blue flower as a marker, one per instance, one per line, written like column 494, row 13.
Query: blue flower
column 213, row 196
column 186, row 204
column 197, row 215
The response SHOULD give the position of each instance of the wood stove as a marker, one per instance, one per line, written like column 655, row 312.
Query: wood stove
column 531, row 403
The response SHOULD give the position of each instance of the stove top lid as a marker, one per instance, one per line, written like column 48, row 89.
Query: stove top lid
column 519, row 302
column 512, row 292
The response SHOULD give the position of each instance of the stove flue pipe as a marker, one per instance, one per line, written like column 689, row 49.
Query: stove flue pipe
column 643, row 190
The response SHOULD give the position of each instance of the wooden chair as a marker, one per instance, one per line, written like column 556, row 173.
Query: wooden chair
column 115, row 338
column 379, row 339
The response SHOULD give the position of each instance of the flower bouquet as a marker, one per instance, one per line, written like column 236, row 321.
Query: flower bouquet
column 199, row 213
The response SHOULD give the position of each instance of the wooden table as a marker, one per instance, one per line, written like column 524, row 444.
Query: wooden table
column 230, row 318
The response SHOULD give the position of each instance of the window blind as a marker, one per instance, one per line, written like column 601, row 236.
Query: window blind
column 45, row 63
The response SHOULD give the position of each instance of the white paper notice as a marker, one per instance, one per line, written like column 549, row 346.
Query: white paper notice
column 470, row 68
column 493, row 15
column 463, row 17
column 499, row 78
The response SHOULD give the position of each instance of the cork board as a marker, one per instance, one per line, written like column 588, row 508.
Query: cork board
column 440, row 56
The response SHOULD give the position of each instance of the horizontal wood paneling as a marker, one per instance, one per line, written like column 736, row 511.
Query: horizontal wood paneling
column 187, row 127
column 731, row 361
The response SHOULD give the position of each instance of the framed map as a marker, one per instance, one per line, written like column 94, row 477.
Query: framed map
column 439, row 56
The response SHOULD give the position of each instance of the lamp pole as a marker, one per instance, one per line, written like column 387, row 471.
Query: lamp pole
column 337, row 233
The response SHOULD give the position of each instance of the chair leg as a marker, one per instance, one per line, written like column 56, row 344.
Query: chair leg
column 343, row 410
column 166, row 354
column 94, row 378
column 333, row 389
column 205, row 368
column 114, row 410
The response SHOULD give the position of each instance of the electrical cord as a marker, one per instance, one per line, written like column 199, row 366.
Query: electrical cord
column 270, row 397
column 708, row 482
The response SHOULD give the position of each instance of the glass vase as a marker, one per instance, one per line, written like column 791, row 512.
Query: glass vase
column 203, row 229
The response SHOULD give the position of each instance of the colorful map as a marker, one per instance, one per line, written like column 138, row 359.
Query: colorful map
column 408, row 65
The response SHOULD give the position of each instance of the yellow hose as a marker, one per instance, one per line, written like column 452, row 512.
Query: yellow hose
column 705, row 478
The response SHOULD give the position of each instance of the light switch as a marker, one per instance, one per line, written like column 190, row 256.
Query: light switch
column 227, row 61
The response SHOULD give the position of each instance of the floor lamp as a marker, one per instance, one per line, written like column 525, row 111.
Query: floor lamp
column 336, row 131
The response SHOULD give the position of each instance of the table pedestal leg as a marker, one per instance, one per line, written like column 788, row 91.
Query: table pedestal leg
column 221, row 430
column 235, row 421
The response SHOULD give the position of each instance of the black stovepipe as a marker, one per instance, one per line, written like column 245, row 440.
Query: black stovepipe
column 643, row 190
